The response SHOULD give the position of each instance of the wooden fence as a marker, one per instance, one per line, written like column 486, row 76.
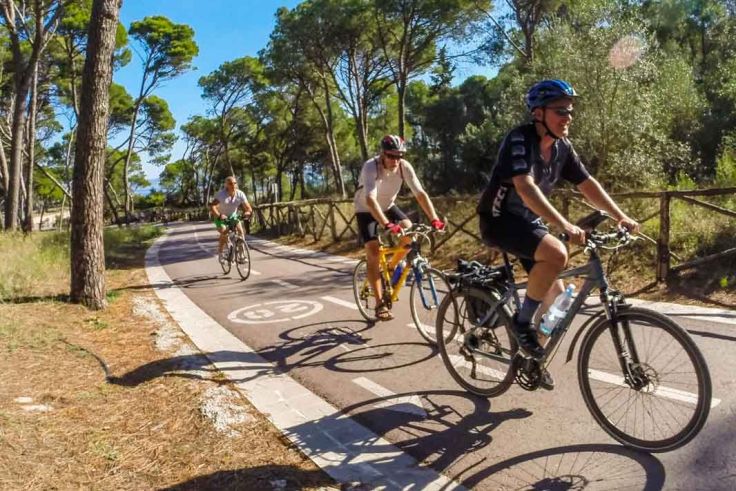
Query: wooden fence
column 329, row 219
column 664, row 255
column 322, row 218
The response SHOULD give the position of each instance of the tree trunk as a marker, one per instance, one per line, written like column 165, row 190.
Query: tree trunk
column 332, row 142
column 128, row 156
column 4, row 169
column 16, row 153
column 60, row 218
column 113, row 206
column 401, row 92
column 32, row 110
column 87, row 247
column 40, row 218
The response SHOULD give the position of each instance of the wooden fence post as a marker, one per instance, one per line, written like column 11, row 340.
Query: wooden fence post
column 663, row 242
column 333, row 223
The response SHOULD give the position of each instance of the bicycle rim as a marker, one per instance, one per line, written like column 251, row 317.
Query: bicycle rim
column 477, row 356
column 425, row 297
column 225, row 264
column 363, row 293
column 242, row 259
column 671, row 405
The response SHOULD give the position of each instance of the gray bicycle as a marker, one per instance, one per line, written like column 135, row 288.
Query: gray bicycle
column 642, row 377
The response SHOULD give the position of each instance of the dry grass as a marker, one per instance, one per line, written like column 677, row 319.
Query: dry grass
column 140, row 433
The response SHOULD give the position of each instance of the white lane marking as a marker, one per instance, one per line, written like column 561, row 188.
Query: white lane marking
column 277, row 311
column 341, row 302
column 459, row 361
column 283, row 283
column 352, row 454
column 212, row 250
column 411, row 404
column 704, row 314
column 665, row 392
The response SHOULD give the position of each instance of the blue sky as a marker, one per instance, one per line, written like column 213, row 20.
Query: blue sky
column 224, row 30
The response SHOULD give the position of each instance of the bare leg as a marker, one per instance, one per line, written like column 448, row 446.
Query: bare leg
column 373, row 269
column 222, row 240
column 550, row 259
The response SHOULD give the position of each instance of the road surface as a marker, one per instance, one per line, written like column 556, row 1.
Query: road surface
column 297, row 311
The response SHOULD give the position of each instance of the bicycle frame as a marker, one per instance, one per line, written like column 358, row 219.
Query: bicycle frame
column 595, row 277
column 417, row 265
column 386, row 272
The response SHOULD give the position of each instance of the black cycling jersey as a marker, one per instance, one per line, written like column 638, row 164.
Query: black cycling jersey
column 519, row 154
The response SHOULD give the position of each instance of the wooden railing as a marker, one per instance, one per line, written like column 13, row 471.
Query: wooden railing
column 664, row 254
column 334, row 220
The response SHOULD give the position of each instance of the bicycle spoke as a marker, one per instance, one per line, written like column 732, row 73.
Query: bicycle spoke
column 661, row 400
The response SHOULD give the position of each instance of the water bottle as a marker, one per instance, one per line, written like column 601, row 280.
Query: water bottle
column 557, row 311
column 397, row 272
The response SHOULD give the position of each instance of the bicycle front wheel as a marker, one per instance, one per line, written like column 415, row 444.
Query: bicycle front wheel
column 474, row 339
column 425, row 297
column 663, row 400
column 363, row 293
column 224, row 261
column 242, row 259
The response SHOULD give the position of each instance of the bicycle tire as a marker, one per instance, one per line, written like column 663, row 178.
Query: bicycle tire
column 242, row 258
column 227, row 264
column 659, row 327
column 363, row 294
column 424, row 302
column 465, row 302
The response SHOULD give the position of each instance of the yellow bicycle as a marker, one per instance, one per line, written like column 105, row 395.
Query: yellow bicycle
column 428, row 285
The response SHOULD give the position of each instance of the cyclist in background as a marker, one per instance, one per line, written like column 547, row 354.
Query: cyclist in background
column 381, row 179
column 532, row 159
column 226, row 202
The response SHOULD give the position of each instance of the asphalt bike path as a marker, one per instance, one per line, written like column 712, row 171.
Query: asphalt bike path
column 297, row 311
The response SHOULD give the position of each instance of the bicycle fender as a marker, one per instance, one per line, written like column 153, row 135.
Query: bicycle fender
column 580, row 332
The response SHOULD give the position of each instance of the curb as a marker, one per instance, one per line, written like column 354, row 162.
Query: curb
column 343, row 448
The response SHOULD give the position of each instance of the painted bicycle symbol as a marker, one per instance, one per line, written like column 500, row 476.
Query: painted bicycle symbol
column 277, row 311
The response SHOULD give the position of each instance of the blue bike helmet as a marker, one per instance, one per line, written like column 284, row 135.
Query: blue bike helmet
column 546, row 91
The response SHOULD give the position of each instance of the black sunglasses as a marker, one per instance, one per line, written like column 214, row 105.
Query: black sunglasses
column 561, row 111
column 393, row 156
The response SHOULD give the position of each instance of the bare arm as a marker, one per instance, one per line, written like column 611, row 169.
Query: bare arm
column 594, row 192
column 247, row 209
column 215, row 208
column 376, row 211
column 426, row 204
column 537, row 201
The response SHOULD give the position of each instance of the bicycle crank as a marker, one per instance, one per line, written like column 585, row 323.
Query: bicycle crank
column 528, row 373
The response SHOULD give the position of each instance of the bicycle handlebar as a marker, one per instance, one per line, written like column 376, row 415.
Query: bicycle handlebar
column 415, row 229
column 595, row 239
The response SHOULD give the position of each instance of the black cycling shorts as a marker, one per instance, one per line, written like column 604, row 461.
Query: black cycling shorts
column 368, row 227
column 514, row 235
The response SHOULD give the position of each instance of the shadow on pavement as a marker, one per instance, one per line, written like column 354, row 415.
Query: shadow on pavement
column 254, row 478
column 572, row 467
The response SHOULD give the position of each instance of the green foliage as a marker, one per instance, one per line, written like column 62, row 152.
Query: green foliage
column 168, row 48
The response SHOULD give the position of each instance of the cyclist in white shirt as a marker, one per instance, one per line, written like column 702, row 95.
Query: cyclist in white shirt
column 380, row 182
column 224, row 205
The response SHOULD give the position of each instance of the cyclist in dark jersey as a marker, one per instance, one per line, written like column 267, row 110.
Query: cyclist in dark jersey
column 532, row 159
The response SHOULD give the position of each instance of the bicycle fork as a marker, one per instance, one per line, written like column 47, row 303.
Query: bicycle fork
column 627, row 354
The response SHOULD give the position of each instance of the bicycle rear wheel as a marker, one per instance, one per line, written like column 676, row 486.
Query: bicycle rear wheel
column 425, row 297
column 242, row 258
column 363, row 293
column 664, row 401
column 474, row 339
column 224, row 261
